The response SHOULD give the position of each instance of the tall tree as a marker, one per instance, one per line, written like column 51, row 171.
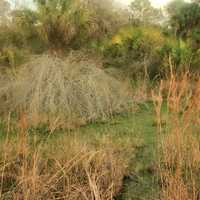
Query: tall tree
column 143, row 12
column 175, row 6
column 185, row 17
column 4, row 10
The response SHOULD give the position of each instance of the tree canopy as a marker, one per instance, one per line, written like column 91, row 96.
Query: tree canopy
column 143, row 12
column 185, row 18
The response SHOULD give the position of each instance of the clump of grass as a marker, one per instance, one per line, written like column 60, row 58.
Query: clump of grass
column 68, row 167
column 179, row 148
column 70, row 93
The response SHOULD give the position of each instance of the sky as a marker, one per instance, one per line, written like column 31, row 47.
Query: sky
column 155, row 3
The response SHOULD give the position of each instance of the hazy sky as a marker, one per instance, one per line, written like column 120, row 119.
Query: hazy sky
column 156, row 3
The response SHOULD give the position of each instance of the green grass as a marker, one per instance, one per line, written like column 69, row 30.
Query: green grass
column 139, row 128
column 142, row 182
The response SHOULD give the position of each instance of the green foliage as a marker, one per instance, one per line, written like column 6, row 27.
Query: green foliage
column 179, row 52
column 9, row 36
column 11, row 56
column 195, row 62
column 149, row 47
column 136, row 44
column 18, row 38
column 175, row 6
column 59, row 24
column 76, row 24
column 24, row 22
column 56, row 23
column 137, row 40
column 64, row 24
column 185, row 20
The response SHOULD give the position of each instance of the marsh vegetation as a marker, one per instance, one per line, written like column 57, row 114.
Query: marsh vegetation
column 99, row 101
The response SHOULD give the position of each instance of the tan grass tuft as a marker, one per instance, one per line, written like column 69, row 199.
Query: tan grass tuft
column 179, row 148
column 72, row 92
column 67, row 168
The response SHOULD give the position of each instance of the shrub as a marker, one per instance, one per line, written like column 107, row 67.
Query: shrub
column 12, row 56
column 195, row 61
column 67, row 24
column 179, row 51
column 147, row 51
column 135, row 44
column 51, row 90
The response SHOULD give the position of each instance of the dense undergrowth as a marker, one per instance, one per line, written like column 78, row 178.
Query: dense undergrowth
column 70, row 166
column 70, row 66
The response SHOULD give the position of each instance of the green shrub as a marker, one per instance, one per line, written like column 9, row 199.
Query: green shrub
column 12, row 56
column 136, row 44
column 9, row 36
column 195, row 62
column 152, row 49
column 179, row 52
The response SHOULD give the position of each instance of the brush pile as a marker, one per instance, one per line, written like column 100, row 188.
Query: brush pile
column 70, row 92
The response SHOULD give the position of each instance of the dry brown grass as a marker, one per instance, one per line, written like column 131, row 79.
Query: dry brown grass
column 66, row 168
column 68, row 93
column 179, row 148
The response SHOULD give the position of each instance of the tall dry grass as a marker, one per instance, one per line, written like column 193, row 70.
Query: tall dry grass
column 179, row 142
column 67, row 168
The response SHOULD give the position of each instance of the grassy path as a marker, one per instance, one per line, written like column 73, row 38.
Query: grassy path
column 141, row 184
